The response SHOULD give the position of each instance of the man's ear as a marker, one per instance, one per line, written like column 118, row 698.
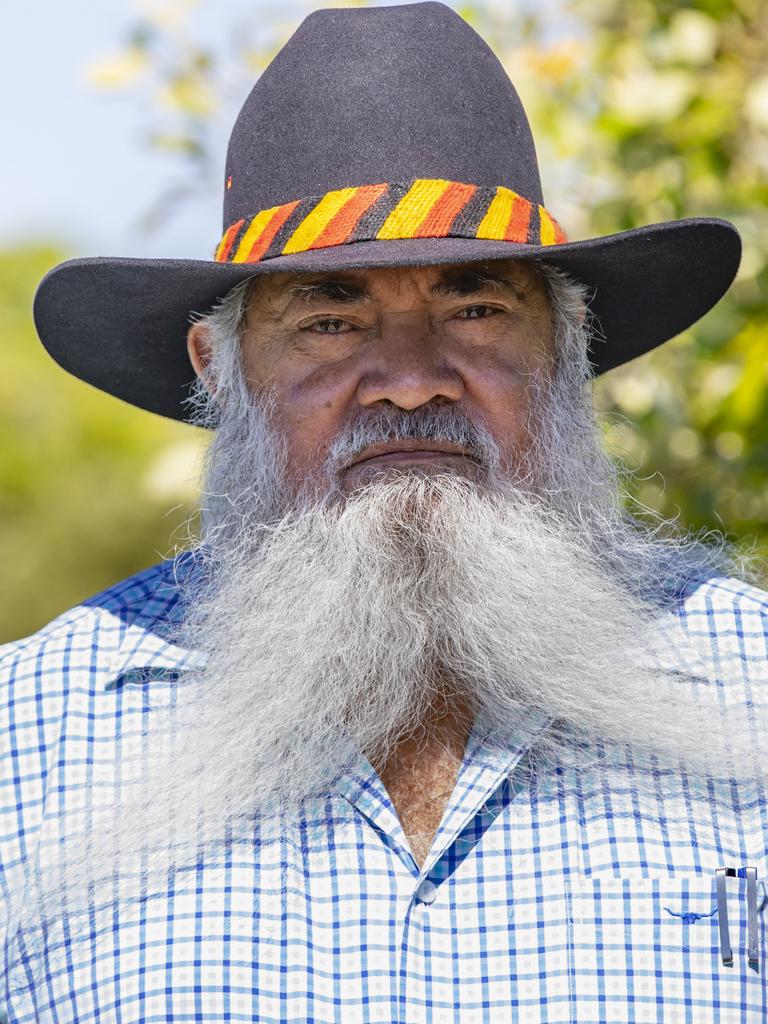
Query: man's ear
column 200, row 350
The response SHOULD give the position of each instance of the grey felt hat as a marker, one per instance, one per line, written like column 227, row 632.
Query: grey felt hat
column 380, row 136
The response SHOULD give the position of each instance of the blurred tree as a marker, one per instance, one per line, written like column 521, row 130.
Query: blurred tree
column 643, row 110
column 679, row 102
column 88, row 484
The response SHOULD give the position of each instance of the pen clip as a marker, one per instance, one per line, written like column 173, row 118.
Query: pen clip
column 726, row 953
column 751, row 874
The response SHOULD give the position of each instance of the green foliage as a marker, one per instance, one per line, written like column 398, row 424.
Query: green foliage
column 649, row 111
column 91, row 489
column 643, row 110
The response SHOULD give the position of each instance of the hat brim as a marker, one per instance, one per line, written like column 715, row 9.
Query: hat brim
column 121, row 324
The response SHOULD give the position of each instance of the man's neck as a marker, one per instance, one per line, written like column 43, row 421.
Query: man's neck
column 420, row 773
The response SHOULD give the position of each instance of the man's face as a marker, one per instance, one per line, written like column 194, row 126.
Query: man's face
column 334, row 344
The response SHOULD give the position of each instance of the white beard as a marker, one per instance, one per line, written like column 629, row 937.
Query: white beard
column 330, row 622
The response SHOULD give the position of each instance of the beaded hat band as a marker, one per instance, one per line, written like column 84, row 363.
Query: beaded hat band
column 425, row 208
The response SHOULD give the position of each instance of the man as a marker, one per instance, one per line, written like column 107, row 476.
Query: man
column 427, row 728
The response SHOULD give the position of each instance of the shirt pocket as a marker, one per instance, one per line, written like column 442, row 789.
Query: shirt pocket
column 649, row 949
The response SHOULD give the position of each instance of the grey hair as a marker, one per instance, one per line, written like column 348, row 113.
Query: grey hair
column 566, row 461
column 217, row 385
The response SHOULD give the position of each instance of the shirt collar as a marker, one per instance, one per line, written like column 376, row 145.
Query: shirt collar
column 144, row 654
column 148, row 648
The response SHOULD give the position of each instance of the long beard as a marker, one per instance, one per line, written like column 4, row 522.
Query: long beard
column 328, row 624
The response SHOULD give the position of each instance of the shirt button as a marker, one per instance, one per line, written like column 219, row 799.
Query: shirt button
column 426, row 892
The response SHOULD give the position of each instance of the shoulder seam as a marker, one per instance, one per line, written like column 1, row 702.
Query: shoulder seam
column 70, row 621
column 85, row 615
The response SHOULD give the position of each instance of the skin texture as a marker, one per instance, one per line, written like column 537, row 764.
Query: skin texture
column 327, row 350
column 421, row 774
column 331, row 344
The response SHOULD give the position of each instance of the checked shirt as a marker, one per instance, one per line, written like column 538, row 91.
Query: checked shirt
column 571, row 900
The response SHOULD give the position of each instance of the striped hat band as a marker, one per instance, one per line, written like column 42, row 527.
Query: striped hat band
column 424, row 208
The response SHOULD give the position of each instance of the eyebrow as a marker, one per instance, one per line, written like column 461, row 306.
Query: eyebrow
column 456, row 283
column 331, row 291
column 470, row 282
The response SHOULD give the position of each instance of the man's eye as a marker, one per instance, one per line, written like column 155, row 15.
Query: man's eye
column 478, row 312
column 330, row 326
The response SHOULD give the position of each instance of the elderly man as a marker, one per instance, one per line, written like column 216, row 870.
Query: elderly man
column 426, row 728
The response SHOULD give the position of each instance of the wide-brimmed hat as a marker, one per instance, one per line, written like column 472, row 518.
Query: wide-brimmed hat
column 381, row 136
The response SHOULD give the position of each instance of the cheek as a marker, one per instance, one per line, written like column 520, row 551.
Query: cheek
column 502, row 393
column 503, row 386
column 311, row 410
column 310, row 401
column 514, row 421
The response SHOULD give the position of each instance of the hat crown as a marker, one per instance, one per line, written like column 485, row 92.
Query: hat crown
column 379, row 94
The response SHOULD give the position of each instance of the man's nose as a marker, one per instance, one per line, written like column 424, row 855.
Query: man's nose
column 409, row 365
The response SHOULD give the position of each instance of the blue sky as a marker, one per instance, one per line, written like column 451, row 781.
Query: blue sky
column 76, row 170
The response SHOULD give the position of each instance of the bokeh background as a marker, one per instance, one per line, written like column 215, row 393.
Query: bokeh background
column 643, row 110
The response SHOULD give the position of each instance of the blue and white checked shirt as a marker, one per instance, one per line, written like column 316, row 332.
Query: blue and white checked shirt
column 571, row 902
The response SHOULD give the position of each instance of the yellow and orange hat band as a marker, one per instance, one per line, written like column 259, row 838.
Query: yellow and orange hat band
column 425, row 208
